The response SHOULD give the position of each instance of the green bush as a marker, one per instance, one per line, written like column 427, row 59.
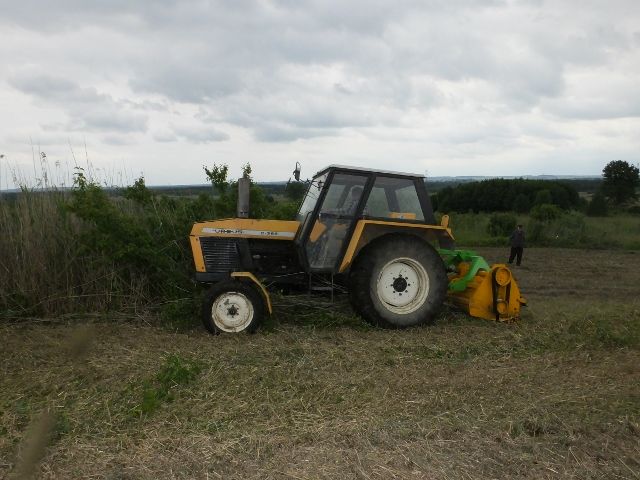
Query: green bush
column 598, row 206
column 501, row 224
column 545, row 212
column 543, row 197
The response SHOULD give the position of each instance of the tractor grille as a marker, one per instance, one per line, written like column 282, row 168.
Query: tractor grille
column 220, row 254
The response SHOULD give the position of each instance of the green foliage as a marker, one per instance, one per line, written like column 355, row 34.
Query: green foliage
column 501, row 224
column 571, row 230
column 543, row 197
column 545, row 212
column 114, row 237
column 295, row 191
column 217, row 175
column 246, row 171
column 284, row 210
column 598, row 205
column 535, row 232
column 97, row 249
column 138, row 192
column 181, row 314
column 521, row 204
column 175, row 372
column 567, row 230
column 499, row 195
column 620, row 181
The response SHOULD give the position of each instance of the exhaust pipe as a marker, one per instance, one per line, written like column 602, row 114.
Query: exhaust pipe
column 244, row 186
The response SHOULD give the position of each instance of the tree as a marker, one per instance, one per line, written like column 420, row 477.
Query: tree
column 620, row 181
column 521, row 204
column 218, row 177
column 543, row 197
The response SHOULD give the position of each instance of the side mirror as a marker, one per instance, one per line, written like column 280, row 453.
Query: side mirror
column 296, row 172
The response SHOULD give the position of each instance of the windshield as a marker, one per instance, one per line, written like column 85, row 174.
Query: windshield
column 310, row 200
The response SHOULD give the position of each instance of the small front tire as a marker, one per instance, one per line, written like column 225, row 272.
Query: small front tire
column 232, row 307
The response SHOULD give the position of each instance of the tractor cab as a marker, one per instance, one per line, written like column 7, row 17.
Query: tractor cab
column 338, row 197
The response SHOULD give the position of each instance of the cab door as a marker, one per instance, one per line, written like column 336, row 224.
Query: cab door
column 336, row 215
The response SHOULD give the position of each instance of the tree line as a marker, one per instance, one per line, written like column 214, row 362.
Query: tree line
column 503, row 195
column 618, row 188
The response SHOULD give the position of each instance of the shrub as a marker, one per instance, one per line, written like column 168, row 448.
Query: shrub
column 535, row 232
column 598, row 206
column 545, row 212
column 501, row 224
column 543, row 197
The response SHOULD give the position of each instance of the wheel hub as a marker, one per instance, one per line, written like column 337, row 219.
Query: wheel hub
column 403, row 285
column 399, row 284
column 232, row 312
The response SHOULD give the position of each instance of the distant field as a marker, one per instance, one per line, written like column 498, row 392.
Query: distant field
column 317, row 394
column 572, row 230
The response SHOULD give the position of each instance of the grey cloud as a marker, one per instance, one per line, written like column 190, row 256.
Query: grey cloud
column 186, row 82
column 118, row 140
column 596, row 109
column 284, row 70
column 198, row 134
column 86, row 108
column 232, row 57
column 164, row 137
column 109, row 120
column 287, row 133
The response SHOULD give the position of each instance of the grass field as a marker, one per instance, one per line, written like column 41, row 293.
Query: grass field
column 321, row 395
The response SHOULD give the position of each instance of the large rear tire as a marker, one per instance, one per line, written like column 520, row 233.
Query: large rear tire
column 232, row 307
column 399, row 281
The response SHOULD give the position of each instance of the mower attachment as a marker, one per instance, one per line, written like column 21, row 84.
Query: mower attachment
column 482, row 291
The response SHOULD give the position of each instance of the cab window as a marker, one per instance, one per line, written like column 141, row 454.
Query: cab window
column 394, row 198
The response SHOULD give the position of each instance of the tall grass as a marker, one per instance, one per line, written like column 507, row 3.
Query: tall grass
column 76, row 251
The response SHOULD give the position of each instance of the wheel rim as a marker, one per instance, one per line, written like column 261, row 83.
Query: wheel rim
column 232, row 312
column 402, row 285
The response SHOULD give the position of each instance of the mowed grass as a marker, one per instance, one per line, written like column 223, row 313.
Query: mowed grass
column 317, row 394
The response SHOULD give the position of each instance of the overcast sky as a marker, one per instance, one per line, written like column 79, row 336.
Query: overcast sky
column 440, row 87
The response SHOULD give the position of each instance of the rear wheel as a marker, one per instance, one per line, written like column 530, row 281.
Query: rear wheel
column 232, row 307
column 399, row 281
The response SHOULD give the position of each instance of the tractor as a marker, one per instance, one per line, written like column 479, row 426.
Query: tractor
column 369, row 233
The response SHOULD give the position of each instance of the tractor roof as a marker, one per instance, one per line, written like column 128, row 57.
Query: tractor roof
column 368, row 170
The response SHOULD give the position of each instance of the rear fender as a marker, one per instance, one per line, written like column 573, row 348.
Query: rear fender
column 367, row 231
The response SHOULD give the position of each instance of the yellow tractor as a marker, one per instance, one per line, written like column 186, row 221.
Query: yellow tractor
column 370, row 233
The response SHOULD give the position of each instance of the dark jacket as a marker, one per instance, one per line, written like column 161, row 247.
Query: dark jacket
column 517, row 238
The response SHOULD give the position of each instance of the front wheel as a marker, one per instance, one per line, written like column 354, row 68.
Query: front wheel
column 400, row 281
column 232, row 307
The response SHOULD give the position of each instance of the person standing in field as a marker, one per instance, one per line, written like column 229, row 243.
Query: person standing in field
column 517, row 245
